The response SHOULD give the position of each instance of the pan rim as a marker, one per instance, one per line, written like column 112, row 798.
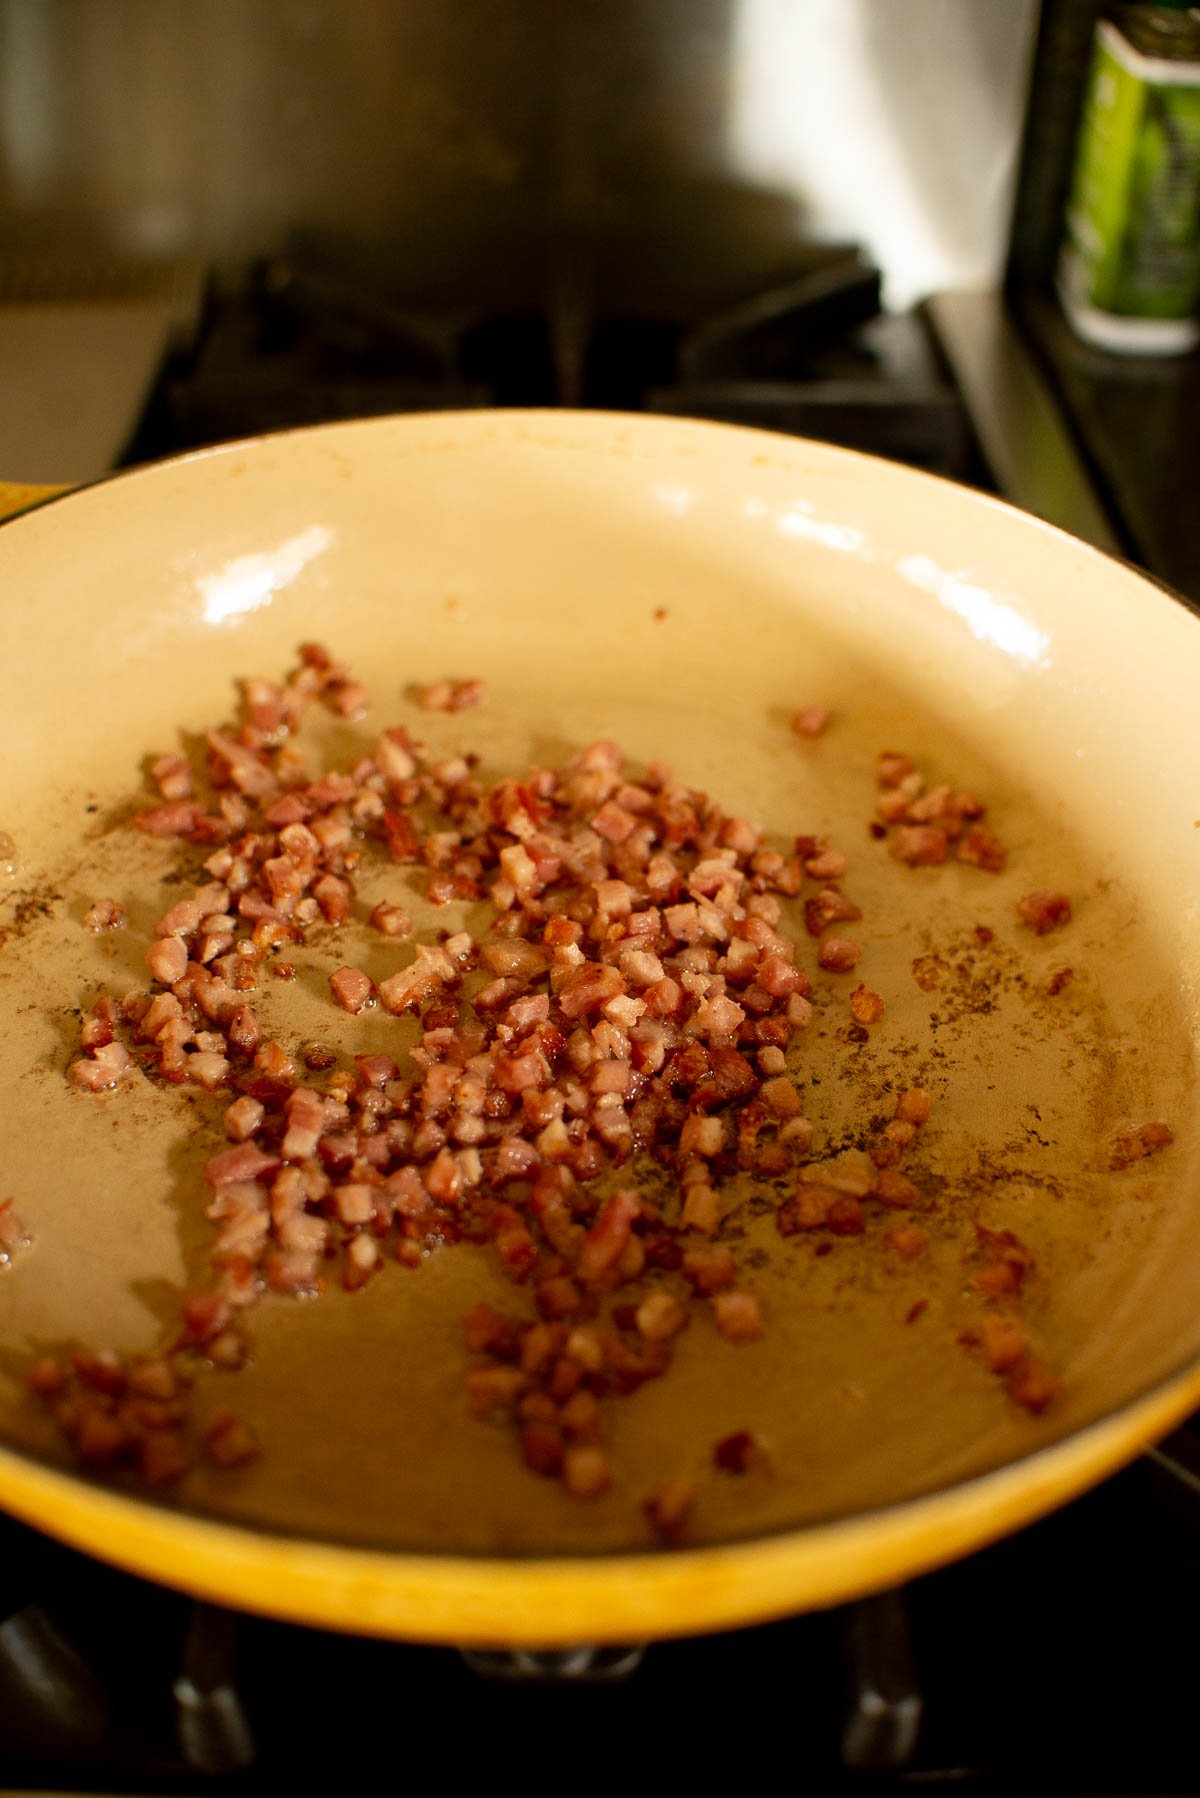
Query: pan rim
column 1052, row 1471
column 577, row 415
column 560, row 1600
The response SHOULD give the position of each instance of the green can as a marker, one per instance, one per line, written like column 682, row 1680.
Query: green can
column 1129, row 271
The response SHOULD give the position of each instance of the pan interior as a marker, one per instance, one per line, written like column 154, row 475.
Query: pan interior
column 642, row 583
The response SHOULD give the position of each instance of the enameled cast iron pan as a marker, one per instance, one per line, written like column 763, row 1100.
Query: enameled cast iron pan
column 683, row 588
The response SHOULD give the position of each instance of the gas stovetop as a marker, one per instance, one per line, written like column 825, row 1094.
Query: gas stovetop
column 813, row 355
column 1046, row 1664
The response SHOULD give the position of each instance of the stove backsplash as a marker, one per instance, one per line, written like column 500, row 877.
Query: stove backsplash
column 669, row 153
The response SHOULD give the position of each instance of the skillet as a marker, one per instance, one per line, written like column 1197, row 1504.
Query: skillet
column 682, row 588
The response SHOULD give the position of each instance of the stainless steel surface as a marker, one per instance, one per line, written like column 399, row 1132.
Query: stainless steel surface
column 884, row 1703
column 583, row 1666
column 898, row 122
column 213, row 1732
column 685, row 143
column 1022, row 433
column 51, row 1699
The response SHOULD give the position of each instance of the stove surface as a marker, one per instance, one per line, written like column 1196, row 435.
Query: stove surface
column 1046, row 1664
column 814, row 355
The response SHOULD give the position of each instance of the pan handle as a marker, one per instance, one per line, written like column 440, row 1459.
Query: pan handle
column 18, row 496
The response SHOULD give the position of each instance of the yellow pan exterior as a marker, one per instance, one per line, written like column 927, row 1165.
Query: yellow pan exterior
column 18, row 496
column 556, row 1603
